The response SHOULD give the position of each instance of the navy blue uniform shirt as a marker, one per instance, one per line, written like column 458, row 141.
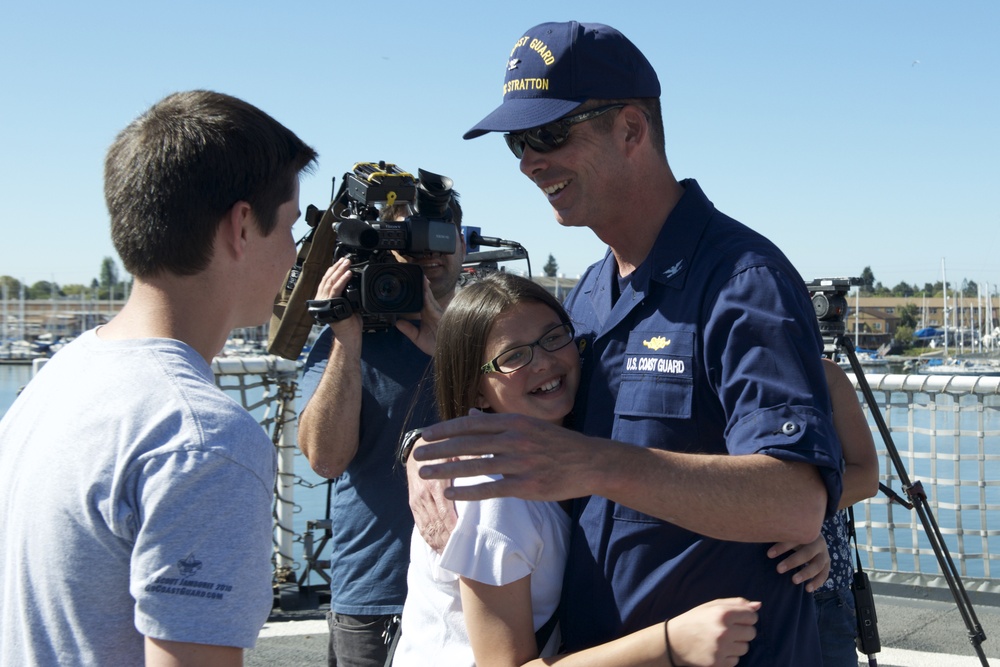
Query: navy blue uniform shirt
column 712, row 346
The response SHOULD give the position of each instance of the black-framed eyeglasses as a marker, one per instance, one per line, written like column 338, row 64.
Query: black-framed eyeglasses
column 551, row 136
column 518, row 357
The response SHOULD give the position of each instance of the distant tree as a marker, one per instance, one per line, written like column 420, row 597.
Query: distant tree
column 551, row 267
column 109, row 273
column 13, row 285
column 928, row 289
column 904, row 335
column 43, row 289
column 880, row 290
column 867, row 280
column 74, row 290
column 970, row 288
column 903, row 289
column 909, row 316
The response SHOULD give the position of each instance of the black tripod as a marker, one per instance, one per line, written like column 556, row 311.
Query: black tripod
column 918, row 499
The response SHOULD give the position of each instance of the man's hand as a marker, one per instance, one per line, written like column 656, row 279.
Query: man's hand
column 813, row 561
column 538, row 460
column 433, row 514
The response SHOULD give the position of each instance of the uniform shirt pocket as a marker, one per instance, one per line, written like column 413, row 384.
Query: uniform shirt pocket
column 657, row 376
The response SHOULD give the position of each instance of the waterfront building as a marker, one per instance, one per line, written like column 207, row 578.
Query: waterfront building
column 872, row 321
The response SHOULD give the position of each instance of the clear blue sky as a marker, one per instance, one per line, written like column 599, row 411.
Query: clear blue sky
column 851, row 133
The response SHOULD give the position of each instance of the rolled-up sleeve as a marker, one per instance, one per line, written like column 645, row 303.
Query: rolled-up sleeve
column 770, row 380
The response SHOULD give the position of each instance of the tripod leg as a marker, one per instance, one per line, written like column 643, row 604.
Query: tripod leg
column 918, row 498
column 976, row 634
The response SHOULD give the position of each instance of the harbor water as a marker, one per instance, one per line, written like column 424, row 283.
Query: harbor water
column 12, row 378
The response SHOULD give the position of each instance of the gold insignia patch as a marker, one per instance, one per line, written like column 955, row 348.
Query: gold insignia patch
column 657, row 343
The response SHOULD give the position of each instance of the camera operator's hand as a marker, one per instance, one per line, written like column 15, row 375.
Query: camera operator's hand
column 331, row 285
column 424, row 336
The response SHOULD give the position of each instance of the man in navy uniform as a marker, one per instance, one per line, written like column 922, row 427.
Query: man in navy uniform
column 705, row 431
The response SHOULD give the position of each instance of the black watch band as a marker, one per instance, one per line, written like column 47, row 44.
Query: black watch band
column 406, row 445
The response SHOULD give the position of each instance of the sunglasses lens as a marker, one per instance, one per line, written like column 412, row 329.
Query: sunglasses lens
column 541, row 139
column 515, row 142
column 547, row 137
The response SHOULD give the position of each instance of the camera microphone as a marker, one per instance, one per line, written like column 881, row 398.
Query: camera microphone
column 473, row 239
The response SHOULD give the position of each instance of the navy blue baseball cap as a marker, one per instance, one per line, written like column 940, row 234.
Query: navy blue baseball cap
column 556, row 67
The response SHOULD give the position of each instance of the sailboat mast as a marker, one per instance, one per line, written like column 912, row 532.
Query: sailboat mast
column 944, row 280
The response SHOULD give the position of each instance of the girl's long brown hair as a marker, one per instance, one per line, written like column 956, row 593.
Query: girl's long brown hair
column 465, row 328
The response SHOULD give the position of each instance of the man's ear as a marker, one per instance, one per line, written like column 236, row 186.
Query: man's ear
column 636, row 125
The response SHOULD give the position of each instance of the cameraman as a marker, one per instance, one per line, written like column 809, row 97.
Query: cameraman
column 360, row 393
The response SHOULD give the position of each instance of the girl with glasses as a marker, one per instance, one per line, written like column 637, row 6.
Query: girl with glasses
column 491, row 596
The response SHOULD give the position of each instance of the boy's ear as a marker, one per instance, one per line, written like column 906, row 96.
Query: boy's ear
column 234, row 228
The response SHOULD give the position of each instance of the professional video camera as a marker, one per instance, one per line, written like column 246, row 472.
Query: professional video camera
column 382, row 287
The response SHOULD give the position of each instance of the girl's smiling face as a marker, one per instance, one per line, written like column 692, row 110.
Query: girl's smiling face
column 546, row 387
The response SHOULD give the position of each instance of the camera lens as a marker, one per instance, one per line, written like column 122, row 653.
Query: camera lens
column 388, row 289
column 392, row 288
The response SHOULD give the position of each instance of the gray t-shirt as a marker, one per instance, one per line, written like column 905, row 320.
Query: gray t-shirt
column 136, row 501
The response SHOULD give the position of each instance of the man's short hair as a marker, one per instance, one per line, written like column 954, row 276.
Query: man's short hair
column 649, row 106
column 174, row 172
column 404, row 209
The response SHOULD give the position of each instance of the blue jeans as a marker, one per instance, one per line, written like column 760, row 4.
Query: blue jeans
column 838, row 627
column 357, row 641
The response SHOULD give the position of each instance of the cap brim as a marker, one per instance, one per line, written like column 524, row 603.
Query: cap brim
column 522, row 114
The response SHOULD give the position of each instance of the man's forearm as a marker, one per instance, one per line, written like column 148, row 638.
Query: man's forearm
column 329, row 426
column 749, row 498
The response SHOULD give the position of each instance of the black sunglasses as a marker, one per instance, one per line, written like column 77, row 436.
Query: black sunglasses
column 551, row 136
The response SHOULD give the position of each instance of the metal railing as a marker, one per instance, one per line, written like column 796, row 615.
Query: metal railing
column 946, row 429
column 265, row 386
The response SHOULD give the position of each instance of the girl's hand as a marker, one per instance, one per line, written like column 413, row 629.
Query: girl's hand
column 812, row 561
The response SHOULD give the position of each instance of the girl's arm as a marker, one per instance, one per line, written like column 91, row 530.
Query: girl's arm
column 860, row 457
column 499, row 622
